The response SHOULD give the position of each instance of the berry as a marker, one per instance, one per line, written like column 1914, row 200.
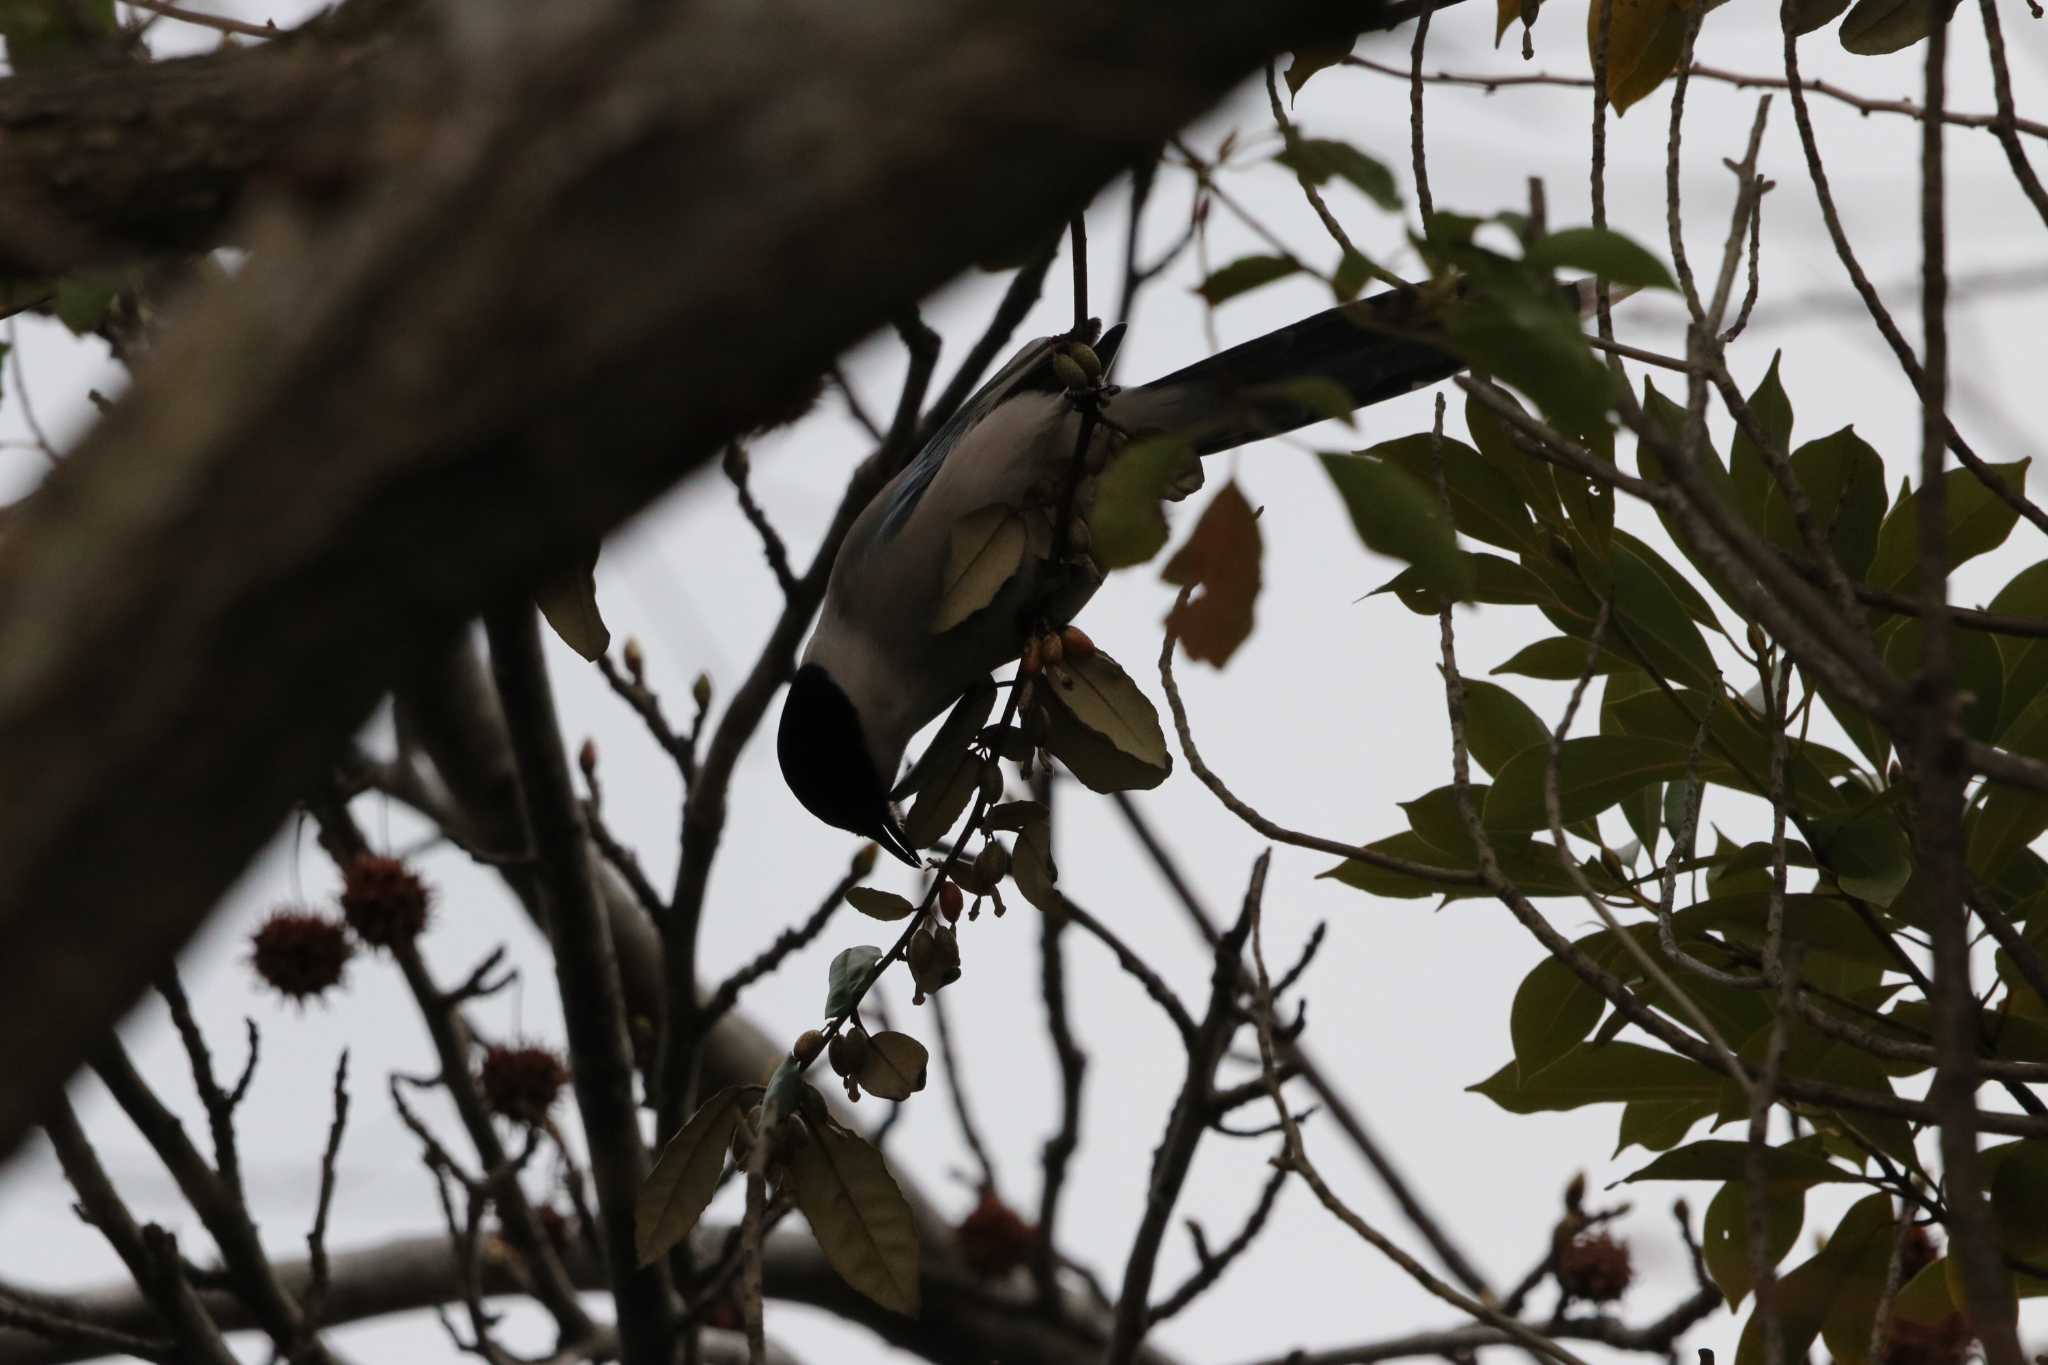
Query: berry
column 951, row 902
column 809, row 1044
column 384, row 902
column 301, row 954
column 522, row 1083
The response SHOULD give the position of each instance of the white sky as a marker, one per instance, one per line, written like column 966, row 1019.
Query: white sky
column 1329, row 716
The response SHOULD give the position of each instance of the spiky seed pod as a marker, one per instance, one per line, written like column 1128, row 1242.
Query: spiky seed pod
column 300, row 954
column 1595, row 1267
column 522, row 1083
column 992, row 1239
column 383, row 901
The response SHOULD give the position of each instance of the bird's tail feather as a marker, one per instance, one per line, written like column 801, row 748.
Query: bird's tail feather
column 1377, row 348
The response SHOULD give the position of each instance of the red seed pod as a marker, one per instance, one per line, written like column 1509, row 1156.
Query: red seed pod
column 522, row 1083
column 300, row 954
column 951, row 902
column 993, row 1240
column 1077, row 644
column 384, row 902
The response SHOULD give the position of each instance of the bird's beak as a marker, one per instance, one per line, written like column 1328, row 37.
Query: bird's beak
column 892, row 838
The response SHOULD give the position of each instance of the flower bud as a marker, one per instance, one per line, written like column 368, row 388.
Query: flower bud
column 864, row 861
column 1084, row 356
column 808, row 1045
column 992, row 864
column 1757, row 639
column 636, row 659
column 934, row 959
column 700, row 691
column 586, row 758
column 1068, row 371
column 849, row 1052
column 991, row 781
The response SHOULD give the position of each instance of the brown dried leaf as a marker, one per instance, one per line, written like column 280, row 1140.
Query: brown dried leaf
column 895, row 1066
column 1222, row 559
column 570, row 605
column 677, row 1190
column 986, row 549
column 861, row 1220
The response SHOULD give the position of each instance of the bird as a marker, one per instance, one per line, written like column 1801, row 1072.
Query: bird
column 884, row 661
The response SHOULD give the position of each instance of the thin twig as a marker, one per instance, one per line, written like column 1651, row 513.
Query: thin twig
column 1135, row 967
column 956, row 1090
column 218, row 22
column 316, row 1239
column 1212, row 1264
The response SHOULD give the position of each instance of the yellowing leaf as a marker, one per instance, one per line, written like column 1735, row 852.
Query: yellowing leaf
column 1645, row 39
column 894, row 1067
column 1309, row 60
column 861, row 1220
column 1098, row 693
column 1031, row 864
column 986, row 550
column 876, row 903
column 570, row 604
column 1222, row 559
column 676, row 1191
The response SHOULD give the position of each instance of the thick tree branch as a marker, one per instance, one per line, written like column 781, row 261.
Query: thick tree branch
column 368, row 435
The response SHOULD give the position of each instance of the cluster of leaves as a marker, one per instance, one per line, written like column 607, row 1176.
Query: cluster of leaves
column 1670, row 729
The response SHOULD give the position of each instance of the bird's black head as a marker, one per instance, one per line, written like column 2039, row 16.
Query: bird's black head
column 826, row 764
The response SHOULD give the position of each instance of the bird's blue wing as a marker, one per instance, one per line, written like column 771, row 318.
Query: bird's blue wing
column 918, row 476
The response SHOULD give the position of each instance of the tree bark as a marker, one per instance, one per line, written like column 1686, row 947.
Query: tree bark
column 603, row 238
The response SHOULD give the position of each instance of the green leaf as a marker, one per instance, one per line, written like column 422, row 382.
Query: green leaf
column 2025, row 661
column 1499, row 725
column 2011, row 817
column 1307, row 61
column 849, row 971
column 939, row 805
column 1531, row 864
column 1560, row 659
column 1725, row 1245
column 965, row 721
column 679, row 1188
column 861, row 1219
column 894, row 1066
column 879, row 904
column 1352, row 274
column 1748, row 473
column 1316, row 159
column 1246, row 274
column 1594, row 772
column 1396, row 515
column 1126, row 524
column 1530, row 477
column 1091, row 757
column 985, row 552
column 1844, row 1278
column 1979, row 671
column 1657, row 621
column 1645, row 39
column 1654, row 1125
column 1601, row 252
column 1978, row 521
column 1808, row 15
column 1800, row 1163
column 1843, row 479
column 1607, row 1073
column 1484, row 503
column 1100, row 695
column 1016, row 815
column 1820, row 924
column 1494, row 580
column 1876, row 27
column 1552, row 1013
column 1868, row 853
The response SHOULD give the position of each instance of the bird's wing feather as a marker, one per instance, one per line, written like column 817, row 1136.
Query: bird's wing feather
column 918, row 476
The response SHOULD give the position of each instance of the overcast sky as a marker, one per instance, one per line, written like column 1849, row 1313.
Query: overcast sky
column 1330, row 715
